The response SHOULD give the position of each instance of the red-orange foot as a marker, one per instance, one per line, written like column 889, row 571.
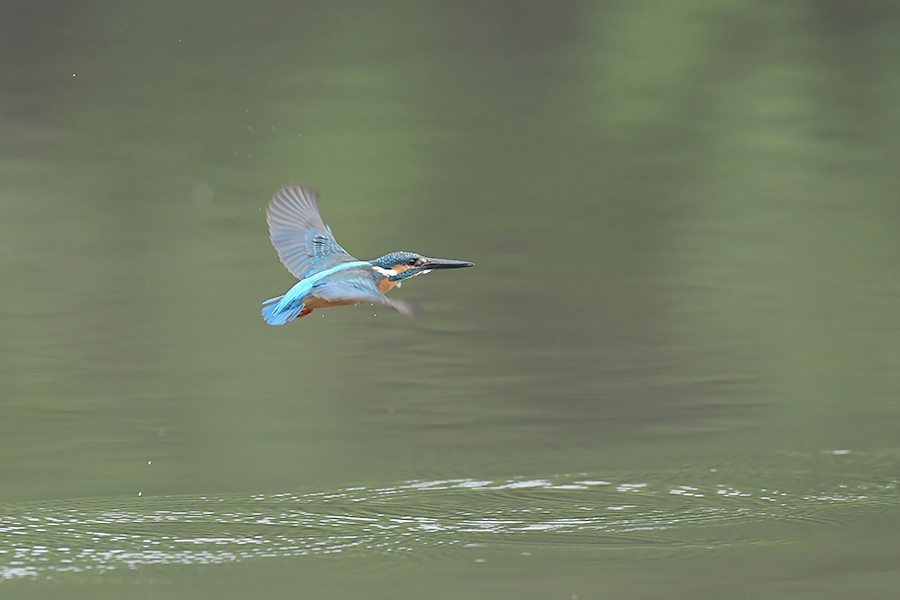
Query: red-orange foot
column 304, row 312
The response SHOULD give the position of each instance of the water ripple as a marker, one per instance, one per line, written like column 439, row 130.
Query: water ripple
column 99, row 535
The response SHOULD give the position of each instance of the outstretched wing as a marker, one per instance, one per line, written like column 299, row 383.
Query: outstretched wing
column 304, row 243
column 356, row 286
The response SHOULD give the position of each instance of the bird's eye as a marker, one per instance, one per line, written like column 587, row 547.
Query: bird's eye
column 412, row 262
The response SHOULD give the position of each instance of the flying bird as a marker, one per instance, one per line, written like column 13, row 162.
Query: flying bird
column 328, row 275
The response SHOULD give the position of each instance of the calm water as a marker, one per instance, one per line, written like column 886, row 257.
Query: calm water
column 672, row 373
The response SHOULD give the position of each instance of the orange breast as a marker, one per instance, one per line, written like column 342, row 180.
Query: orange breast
column 386, row 285
column 314, row 302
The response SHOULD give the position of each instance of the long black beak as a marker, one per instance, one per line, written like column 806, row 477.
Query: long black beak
column 432, row 264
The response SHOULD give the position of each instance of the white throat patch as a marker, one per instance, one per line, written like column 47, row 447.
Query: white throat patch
column 385, row 272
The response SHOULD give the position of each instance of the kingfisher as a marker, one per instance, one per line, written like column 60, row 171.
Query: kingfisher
column 328, row 275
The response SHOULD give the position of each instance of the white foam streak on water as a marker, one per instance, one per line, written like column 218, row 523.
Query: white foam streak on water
column 91, row 536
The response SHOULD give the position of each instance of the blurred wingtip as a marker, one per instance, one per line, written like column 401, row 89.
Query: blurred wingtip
column 405, row 308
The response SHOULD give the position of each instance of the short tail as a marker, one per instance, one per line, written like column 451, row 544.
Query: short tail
column 276, row 314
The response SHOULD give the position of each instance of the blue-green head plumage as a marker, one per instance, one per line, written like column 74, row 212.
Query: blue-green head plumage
column 398, row 266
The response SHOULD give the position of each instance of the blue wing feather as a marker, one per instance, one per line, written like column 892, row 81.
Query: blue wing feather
column 353, row 282
column 344, row 283
column 304, row 243
column 356, row 285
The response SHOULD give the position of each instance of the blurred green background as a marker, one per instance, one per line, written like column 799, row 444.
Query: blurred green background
column 684, row 221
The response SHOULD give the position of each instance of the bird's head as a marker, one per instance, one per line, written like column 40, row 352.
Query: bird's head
column 398, row 266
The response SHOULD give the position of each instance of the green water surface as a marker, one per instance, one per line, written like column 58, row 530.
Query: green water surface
column 673, row 372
